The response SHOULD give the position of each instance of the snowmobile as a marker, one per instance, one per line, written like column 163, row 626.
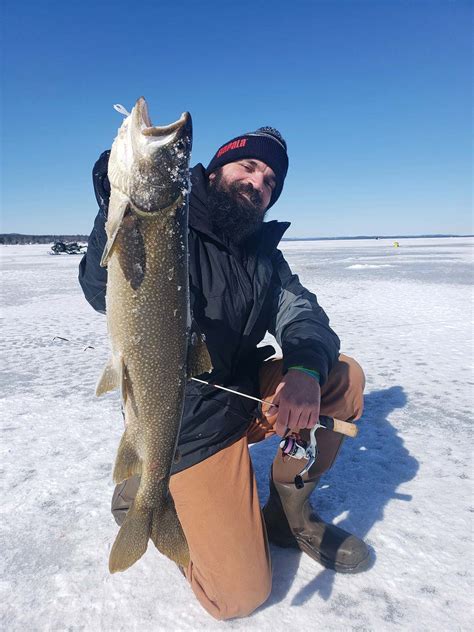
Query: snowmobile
column 63, row 248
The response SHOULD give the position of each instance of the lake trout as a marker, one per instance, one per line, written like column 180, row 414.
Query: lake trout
column 148, row 321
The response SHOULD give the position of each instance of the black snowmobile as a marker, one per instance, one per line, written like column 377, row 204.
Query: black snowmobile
column 63, row 248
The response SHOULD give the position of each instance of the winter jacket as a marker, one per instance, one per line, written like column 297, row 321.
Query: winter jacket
column 237, row 295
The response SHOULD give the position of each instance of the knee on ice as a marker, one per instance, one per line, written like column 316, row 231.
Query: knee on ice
column 234, row 605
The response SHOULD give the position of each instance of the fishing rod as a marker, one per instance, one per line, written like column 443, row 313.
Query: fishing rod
column 336, row 425
column 292, row 445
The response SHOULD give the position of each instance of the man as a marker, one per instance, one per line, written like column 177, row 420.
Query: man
column 240, row 288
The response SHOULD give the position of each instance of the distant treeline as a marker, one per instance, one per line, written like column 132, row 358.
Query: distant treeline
column 16, row 238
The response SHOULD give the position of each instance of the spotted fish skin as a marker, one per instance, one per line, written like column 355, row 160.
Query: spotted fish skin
column 148, row 322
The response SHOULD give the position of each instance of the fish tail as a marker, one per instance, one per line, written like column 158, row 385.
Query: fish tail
column 167, row 534
column 132, row 539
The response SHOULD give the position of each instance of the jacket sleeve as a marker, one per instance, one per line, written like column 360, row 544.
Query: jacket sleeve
column 92, row 277
column 300, row 325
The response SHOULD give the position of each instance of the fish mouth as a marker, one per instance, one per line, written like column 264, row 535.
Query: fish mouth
column 159, row 155
column 164, row 134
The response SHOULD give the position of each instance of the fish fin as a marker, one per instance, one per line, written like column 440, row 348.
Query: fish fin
column 115, row 375
column 132, row 539
column 106, row 254
column 198, row 360
column 167, row 534
column 110, row 378
column 127, row 462
column 114, row 230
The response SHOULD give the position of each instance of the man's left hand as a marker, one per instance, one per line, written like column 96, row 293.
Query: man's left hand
column 298, row 397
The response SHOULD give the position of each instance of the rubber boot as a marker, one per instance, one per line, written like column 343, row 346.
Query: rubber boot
column 123, row 496
column 291, row 522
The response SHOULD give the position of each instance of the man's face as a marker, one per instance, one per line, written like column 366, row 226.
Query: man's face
column 239, row 194
column 250, row 178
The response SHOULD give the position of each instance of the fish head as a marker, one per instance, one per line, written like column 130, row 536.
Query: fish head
column 152, row 162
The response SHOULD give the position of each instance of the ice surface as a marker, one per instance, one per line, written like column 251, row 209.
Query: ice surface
column 404, row 484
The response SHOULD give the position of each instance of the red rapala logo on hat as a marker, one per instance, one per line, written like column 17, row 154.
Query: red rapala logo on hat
column 235, row 144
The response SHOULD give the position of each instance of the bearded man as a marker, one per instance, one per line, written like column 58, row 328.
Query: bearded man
column 240, row 288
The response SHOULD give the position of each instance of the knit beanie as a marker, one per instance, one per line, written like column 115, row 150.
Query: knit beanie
column 265, row 144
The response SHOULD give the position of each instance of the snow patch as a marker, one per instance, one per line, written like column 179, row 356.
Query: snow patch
column 368, row 266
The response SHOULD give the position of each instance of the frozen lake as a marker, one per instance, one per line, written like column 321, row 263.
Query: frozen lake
column 404, row 484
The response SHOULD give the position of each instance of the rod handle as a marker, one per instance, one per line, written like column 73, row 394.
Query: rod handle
column 345, row 428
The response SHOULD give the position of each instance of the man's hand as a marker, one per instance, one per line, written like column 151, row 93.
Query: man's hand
column 298, row 397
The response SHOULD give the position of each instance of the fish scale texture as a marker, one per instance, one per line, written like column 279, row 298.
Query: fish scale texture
column 148, row 331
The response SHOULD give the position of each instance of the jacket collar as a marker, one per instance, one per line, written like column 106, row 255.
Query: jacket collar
column 265, row 241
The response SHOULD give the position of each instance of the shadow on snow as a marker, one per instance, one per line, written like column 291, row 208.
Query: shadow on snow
column 362, row 482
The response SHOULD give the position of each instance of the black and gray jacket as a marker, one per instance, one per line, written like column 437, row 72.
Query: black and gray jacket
column 237, row 295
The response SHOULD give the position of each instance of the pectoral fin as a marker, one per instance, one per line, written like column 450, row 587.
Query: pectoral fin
column 113, row 227
column 199, row 360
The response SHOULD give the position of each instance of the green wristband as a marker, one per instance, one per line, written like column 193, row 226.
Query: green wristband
column 311, row 372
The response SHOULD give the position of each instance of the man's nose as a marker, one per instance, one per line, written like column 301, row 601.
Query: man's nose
column 256, row 179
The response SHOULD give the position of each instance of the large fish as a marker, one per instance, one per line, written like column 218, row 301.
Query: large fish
column 148, row 322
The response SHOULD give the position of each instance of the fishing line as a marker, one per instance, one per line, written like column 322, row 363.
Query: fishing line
column 230, row 390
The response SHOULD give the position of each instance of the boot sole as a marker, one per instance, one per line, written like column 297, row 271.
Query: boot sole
column 317, row 556
column 362, row 565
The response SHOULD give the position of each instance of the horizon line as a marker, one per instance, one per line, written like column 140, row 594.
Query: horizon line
column 337, row 237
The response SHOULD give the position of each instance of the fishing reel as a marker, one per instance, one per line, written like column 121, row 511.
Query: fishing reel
column 293, row 446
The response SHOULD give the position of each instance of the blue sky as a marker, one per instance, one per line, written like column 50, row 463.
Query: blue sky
column 373, row 98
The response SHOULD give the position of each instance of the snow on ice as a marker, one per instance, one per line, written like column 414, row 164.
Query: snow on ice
column 404, row 484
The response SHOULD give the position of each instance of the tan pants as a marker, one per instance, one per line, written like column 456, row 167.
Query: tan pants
column 218, row 506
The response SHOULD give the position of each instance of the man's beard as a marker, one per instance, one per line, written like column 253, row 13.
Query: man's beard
column 232, row 214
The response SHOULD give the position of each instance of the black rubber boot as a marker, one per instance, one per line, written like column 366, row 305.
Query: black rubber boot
column 291, row 522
